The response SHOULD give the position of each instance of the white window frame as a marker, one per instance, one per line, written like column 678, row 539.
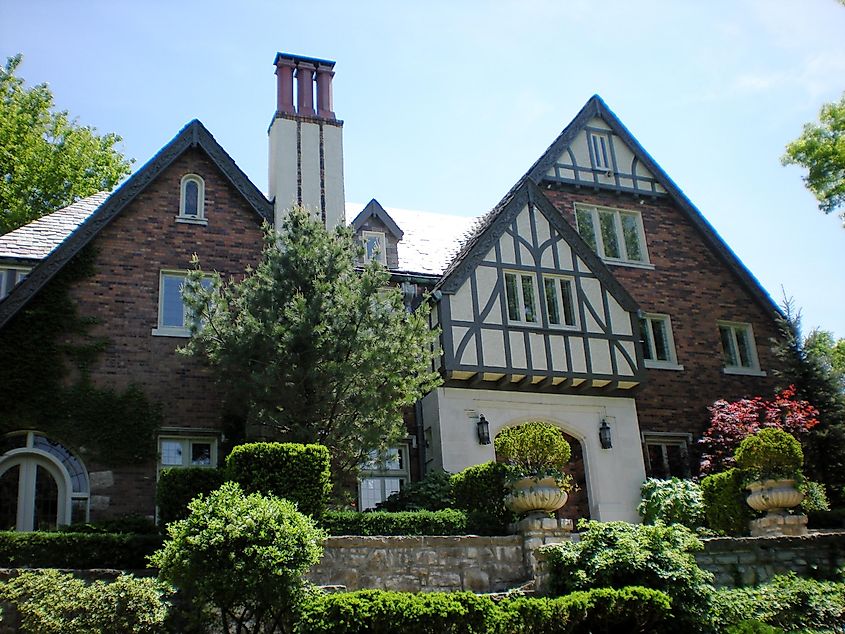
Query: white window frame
column 20, row 272
column 199, row 218
column 663, row 440
column 649, row 346
column 186, row 444
column 381, row 254
column 162, row 330
column 753, row 368
column 381, row 470
column 520, row 291
column 560, row 301
column 623, row 258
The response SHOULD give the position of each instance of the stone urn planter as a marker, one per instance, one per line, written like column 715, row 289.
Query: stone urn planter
column 774, row 496
column 532, row 495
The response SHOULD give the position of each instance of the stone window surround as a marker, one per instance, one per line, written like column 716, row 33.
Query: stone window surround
column 162, row 330
column 186, row 443
column 664, row 440
column 733, row 327
column 623, row 260
column 654, row 363
column 198, row 218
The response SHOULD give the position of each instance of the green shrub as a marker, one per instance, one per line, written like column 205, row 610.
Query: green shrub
column 121, row 551
column 137, row 524
column 243, row 554
column 480, row 491
column 725, row 509
column 299, row 473
column 177, row 486
column 444, row 522
column 535, row 450
column 787, row 601
column 618, row 554
column 753, row 627
column 672, row 501
column 815, row 497
column 51, row 602
column 770, row 454
column 432, row 493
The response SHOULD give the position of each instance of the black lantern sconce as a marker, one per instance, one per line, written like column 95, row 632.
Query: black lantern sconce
column 604, row 435
column 482, row 428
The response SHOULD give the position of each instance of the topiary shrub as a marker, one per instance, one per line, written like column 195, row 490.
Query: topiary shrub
column 52, row 602
column 672, row 501
column 443, row 522
column 243, row 554
column 618, row 554
column 121, row 551
column 176, row 487
column 299, row 473
column 535, row 450
column 770, row 454
column 480, row 491
column 432, row 493
column 725, row 509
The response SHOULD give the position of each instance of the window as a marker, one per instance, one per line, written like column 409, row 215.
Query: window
column 374, row 247
column 658, row 342
column 615, row 235
column 192, row 200
column 666, row 455
column 177, row 451
column 521, row 297
column 174, row 317
column 739, row 352
column 382, row 474
column 9, row 278
column 560, row 300
column 600, row 150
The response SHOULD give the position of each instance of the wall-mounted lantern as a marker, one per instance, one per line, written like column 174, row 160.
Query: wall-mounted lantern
column 482, row 428
column 604, row 435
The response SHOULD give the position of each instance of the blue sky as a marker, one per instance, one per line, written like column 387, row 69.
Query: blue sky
column 447, row 104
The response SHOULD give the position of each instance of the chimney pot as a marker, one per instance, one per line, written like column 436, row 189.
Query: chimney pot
column 324, row 92
column 305, row 88
column 284, row 86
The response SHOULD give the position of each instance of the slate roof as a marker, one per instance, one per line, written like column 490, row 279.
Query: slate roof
column 36, row 240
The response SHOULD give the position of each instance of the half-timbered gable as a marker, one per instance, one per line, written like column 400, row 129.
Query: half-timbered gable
column 529, row 306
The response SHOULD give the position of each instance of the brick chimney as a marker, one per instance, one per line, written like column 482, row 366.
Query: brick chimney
column 306, row 141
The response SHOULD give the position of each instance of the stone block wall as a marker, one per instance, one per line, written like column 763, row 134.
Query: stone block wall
column 746, row 561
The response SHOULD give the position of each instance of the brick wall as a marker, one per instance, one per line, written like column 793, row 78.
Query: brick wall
column 123, row 296
column 696, row 289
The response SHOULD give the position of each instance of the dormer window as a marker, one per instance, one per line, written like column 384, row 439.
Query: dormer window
column 375, row 247
column 192, row 200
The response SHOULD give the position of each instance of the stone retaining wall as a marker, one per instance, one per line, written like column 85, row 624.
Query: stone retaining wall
column 747, row 561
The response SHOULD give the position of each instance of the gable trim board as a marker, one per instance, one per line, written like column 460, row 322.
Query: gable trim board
column 375, row 210
column 597, row 108
column 194, row 134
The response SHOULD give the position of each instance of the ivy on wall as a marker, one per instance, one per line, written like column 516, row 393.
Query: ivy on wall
column 46, row 353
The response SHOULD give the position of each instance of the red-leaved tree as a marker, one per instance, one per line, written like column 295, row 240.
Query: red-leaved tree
column 731, row 422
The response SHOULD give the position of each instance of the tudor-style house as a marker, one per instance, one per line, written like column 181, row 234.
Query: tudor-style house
column 595, row 296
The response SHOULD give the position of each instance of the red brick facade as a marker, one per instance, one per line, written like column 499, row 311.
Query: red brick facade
column 692, row 285
column 123, row 296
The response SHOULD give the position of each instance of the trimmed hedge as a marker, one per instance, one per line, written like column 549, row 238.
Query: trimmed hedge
column 725, row 509
column 366, row 611
column 444, row 522
column 177, row 486
column 121, row 551
column 480, row 491
column 299, row 473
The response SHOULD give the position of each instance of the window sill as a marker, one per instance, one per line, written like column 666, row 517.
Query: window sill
column 188, row 220
column 171, row 332
column 662, row 365
column 634, row 265
column 744, row 371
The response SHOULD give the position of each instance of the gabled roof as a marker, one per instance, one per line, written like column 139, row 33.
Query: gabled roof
column 494, row 225
column 596, row 107
column 375, row 210
column 194, row 134
column 36, row 240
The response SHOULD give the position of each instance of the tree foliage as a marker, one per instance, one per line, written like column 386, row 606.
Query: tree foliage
column 814, row 366
column 732, row 422
column 312, row 349
column 821, row 149
column 47, row 159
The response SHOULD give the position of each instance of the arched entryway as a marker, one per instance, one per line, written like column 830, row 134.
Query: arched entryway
column 578, row 505
column 42, row 483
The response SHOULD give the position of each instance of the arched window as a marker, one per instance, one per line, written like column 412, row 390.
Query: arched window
column 42, row 484
column 192, row 200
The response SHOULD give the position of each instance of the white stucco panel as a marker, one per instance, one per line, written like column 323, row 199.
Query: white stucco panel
column 538, row 351
column 460, row 304
column 593, row 296
column 622, row 364
column 600, row 356
column 619, row 317
column 493, row 345
column 557, row 345
column 518, row 356
column 579, row 359
column 564, row 255
column 506, row 249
